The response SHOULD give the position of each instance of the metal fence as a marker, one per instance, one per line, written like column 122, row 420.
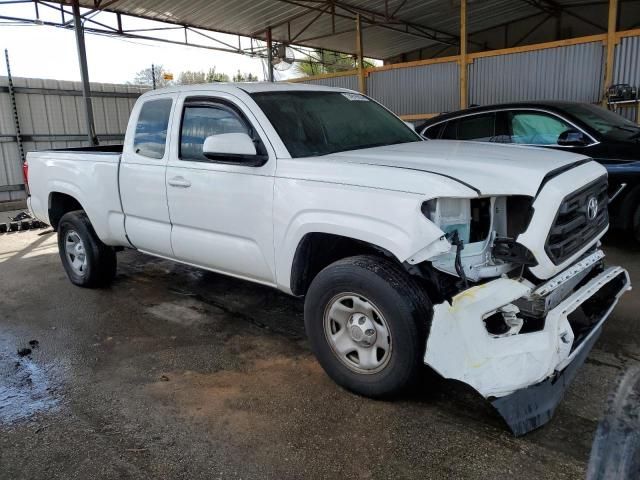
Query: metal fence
column 425, row 88
column 562, row 70
column 342, row 81
column 571, row 73
column 51, row 115
column 627, row 67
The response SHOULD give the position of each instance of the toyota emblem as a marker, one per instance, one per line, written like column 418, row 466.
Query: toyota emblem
column 592, row 208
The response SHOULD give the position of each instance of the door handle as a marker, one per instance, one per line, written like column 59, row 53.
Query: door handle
column 180, row 182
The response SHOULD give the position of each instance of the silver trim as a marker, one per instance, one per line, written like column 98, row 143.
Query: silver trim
column 563, row 277
column 622, row 187
column 594, row 141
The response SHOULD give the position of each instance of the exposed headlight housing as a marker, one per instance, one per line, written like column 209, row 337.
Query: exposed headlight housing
column 450, row 214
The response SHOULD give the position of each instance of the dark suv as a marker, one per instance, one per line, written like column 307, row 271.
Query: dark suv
column 574, row 127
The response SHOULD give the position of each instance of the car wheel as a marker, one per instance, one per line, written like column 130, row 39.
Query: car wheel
column 367, row 322
column 87, row 261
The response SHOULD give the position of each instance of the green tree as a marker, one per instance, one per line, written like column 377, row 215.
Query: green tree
column 190, row 77
column 145, row 77
column 245, row 77
column 213, row 76
column 322, row 61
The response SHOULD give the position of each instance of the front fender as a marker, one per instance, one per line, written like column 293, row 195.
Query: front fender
column 389, row 220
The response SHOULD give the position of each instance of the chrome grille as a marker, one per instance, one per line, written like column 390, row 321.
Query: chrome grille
column 575, row 225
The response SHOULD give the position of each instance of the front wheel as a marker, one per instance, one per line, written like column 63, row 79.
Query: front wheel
column 367, row 322
column 87, row 261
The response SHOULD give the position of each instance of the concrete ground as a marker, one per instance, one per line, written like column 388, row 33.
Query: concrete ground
column 178, row 373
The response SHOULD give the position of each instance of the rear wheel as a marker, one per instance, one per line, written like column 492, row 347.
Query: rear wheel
column 367, row 322
column 87, row 261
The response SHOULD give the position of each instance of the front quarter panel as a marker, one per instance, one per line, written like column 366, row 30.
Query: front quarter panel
column 391, row 220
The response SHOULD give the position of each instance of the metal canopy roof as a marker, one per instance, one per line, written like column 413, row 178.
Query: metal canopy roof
column 390, row 27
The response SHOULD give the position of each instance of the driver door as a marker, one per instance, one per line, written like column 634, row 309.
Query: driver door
column 220, row 210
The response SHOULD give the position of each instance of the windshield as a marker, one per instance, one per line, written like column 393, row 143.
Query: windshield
column 607, row 123
column 318, row 123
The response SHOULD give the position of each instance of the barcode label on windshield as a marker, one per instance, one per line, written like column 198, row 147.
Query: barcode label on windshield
column 354, row 97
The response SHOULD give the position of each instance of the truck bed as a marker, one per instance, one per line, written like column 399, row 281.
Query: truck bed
column 87, row 174
column 97, row 149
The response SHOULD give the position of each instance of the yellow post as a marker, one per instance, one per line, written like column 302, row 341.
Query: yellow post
column 362, row 85
column 611, row 47
column 463, row 54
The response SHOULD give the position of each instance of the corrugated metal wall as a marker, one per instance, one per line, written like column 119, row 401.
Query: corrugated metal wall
column 52, row 115
column 347, row 81
column 627, row 68
column 573, row 72
column 414, row 90
column 564, row 73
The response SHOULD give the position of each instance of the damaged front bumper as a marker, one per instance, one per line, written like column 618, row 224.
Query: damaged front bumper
column 529, row 408
column 525, row 371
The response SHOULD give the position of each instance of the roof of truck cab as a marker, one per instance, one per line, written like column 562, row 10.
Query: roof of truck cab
column 247, row 87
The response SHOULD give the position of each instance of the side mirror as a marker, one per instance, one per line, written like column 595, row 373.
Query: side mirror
column 572, row 138
column 237, row 148
column 228, row 144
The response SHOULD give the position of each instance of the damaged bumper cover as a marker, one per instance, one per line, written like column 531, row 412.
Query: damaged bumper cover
column 524, row 372
column 529, row 408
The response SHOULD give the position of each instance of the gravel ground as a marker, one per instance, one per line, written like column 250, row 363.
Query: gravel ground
column 178, row 373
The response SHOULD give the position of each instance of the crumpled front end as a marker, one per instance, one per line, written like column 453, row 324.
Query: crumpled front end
column 520, row 344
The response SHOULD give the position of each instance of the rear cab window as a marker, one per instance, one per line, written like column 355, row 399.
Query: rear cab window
column 150, row 138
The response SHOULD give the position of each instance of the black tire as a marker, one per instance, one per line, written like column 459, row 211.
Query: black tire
column 100, row 266
column 406, row 309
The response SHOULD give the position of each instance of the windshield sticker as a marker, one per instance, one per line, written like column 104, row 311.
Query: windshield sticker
column 354, row 97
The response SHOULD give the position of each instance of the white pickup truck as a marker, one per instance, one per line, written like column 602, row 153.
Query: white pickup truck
column 482, row 261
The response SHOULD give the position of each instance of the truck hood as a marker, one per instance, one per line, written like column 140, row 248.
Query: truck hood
column 489, row 169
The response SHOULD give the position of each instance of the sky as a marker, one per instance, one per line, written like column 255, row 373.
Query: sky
column 48, row 52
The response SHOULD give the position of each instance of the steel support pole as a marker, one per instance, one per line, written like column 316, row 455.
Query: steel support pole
column 14, row 108
column 269, row 55
column 362, row 83
column 611, row 48
column 463, row 55
column 84, row 74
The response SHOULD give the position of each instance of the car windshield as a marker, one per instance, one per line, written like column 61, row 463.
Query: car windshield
column 314, row 123
column 607, row 123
